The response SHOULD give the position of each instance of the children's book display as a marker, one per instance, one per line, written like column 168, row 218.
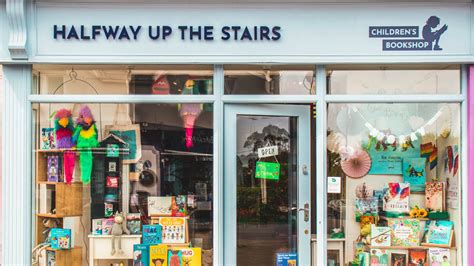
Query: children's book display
column 60, row 238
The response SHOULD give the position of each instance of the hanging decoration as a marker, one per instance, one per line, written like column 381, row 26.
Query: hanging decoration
column 189, row 113
column 64, row 129
column 357, row 165
column 85, row 136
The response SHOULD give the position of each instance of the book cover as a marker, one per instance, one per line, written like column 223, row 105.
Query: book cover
column 191, row 256
column 414, row 173
column 50, row 258
column 158, row 255
column 141, row 255
column 438, row 232
column 173, row 229
column 107, row 226
column 53, row 168
column 378, row 257
column 108, row 209
column 60, row 238
column 417, row 257
column 398, row 258
column 434, row 196
column 134, row 223
column 97, row 226
column 160, row 206
column 48, row 138
column 405, row 232
column 366, row 207
column 439, row 257
column 112, row 182
column 286, row 259
column 396, row 198
column 380, row 236
column 152, row 234
column 179, row 207
column 175, row 257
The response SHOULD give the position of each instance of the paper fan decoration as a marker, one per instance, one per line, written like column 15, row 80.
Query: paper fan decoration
column 357, row 165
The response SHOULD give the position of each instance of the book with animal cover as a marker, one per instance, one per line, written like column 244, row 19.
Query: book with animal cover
column 141, row 255
column 158, row 255
column 160, row 206
column 179, row 208
column 414, row 173
column 398, row 258
column 378, row 257
column 396, row 198
column 53, row 168
column 367, row 207
column 405, row 232
column 134, row 223
column 175, row 257
column 152, row 234
column 439, row 256
column 173, row 229
column 417, row 257
column 107, row 226
column 60, row 238
column 97, row 226
column 190, row 256
column 380, row 236
column 48, row 138
column 438, row 232
column 434, row 196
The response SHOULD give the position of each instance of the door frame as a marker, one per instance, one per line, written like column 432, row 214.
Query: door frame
column 303, row 113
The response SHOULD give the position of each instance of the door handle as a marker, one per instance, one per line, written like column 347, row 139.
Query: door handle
column 305, row 210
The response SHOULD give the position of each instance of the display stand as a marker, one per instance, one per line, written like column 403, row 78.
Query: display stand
column 100, row 248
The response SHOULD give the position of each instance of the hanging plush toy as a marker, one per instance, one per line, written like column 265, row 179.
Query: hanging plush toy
column 85, row 136
column 64, row 129
column 189, row 112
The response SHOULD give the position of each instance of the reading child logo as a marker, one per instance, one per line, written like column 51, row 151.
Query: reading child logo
column 407, row 38
column 432, row 35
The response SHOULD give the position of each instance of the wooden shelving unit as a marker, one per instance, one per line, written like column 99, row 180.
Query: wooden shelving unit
column 69, row 257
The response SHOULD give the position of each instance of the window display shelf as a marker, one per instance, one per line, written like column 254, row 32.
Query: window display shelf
column 408, row 248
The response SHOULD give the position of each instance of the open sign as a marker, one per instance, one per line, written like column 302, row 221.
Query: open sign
column 267, row 151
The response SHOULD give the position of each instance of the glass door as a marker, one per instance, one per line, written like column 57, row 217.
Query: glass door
column 267, row 185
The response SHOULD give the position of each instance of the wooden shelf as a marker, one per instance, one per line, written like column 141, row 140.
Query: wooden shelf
column 404, row 217
column 68, row 257
column 407, row 248
column 49, row 215
column 55, row 183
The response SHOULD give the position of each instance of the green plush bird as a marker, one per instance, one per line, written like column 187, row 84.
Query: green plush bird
column 85, row 137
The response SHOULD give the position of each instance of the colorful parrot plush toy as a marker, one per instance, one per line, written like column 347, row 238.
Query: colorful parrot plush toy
column 85, row 137
column 64, row 129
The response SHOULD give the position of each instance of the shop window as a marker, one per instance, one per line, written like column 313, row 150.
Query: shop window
column 279, row 80
column 148, row 80
column 151, row 164
column 382, row 80
column 394, row 184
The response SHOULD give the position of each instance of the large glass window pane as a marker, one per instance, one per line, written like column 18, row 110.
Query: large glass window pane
column 151, row 162
column 152, row 80
column 394, row 184
column 279, row 80
column 382, row 80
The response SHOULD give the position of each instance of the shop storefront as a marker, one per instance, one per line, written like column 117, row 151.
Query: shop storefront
column 252, row 134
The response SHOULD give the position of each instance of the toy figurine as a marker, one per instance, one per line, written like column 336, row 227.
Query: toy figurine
column 119, row 227
column 64, row 128
column 85, row 136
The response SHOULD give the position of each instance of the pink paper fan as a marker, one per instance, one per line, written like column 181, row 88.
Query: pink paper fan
column 358, row 165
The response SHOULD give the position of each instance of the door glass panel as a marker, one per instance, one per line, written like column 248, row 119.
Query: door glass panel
column 266, row 220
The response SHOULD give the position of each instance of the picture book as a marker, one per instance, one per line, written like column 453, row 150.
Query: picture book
column 405, row 232
column 380, row 236
column 158, row 255
column 175, row 257
column 414, row 173
column 50, row 258
column 53, row 168
column 439, row 257
column 179, row 207
column 160, row 206
column 60, row 238
column 434, row 196
column 152, row 234
column 378, row 257
column 141, row 255
column 396, row 198
column 190, row 256
column 438, row 232
column 134, row 223
column 366, row 207
column 173, row 230
column 417, row 257
column 112, row 181
column 48, row 139
column 286, row 259
column 108, row 209
column 107, row 226
column 97, row 226
column 398, row 258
